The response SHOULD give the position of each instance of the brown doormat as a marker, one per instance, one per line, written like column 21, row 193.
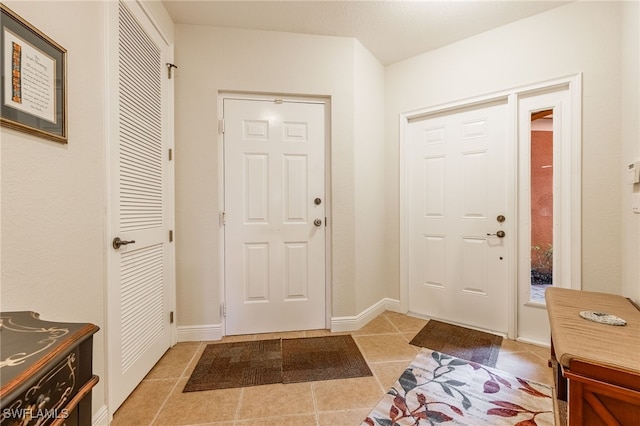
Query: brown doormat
column 262, row 362
column 236, row 365
column 312, row 359
column 460, row 342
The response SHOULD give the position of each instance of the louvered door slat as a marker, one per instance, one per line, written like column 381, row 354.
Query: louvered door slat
column 140, row 126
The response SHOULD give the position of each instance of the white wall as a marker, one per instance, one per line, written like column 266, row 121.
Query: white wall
column 630, row 81
column 216, row 59
column 370, row 164
column 53, row 220
column 579, row 37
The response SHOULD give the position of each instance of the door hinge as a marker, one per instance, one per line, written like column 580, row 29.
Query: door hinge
column 224, row 309
column 221, row 126
column 171, row 235
column 170, row 154
column 223, row 218
column 171, row 317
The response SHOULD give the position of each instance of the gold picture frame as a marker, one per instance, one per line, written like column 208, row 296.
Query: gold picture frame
column 33, row 89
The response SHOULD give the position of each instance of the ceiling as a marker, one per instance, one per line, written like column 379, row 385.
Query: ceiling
column 392, row 30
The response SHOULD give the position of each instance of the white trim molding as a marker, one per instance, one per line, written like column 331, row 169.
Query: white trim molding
column 353, row 323
column 101, row 417
column 212, row 332
column 198, row 333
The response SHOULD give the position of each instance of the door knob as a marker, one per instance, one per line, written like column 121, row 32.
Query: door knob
column 317, row 222
column 499, row 234
column 117, row 243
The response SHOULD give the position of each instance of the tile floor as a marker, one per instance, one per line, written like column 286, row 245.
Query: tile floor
column 384, row 343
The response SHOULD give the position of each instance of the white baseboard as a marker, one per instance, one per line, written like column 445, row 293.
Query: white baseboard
column 356, row 322
column 101, row 417
column 393, row 305
column 534, row 342
column 198, row 333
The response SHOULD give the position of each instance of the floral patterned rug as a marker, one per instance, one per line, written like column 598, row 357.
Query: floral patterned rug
column 441, row 389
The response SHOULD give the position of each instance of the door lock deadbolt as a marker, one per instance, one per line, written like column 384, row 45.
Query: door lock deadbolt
column 317, row 201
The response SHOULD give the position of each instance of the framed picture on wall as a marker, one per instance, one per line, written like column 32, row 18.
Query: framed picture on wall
column 33, row 92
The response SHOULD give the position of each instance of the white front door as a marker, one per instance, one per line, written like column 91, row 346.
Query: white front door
column 274, row 228
column 457, row 191
column 140, row 204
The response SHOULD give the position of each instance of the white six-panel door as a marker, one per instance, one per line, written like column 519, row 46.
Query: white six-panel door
column 456, row 191
column 274, row 229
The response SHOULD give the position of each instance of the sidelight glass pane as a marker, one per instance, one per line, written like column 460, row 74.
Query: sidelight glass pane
column 541, row 204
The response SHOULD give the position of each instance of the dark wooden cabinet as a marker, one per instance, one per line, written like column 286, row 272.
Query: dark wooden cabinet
column 46, row 372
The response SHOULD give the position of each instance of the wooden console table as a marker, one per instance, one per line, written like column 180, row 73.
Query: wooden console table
column 598, row 364
column 45, row 371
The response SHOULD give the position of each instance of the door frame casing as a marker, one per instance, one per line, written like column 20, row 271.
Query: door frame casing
column 268, row 96
column 571, row 223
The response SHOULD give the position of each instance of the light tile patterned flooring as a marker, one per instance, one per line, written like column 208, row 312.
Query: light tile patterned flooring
column 384, row 343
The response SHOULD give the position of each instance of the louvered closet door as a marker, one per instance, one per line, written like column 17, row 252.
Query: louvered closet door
column 139, row 271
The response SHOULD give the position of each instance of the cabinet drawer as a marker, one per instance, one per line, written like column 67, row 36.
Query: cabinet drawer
column 45, row 399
